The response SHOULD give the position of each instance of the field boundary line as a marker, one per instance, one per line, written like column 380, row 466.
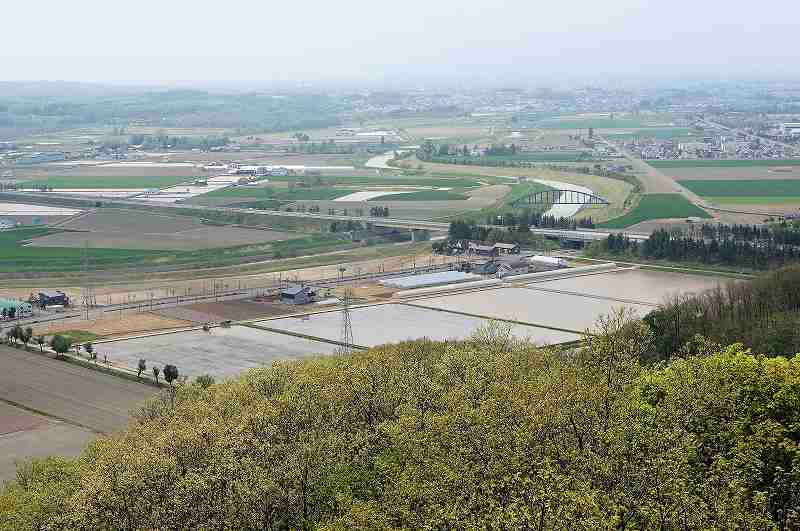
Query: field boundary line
column 154, row 333
column 46, row 415
column 303, row 336
column 685, row 270
column 591, row 296
column 503, row 319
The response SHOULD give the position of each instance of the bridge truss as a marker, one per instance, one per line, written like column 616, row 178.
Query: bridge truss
column 560, row 197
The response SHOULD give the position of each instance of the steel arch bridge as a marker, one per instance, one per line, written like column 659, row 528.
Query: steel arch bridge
column 560, row 197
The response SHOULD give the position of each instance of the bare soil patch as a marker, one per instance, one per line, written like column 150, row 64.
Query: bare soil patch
column 114, row 324
column 127, row 229
column 227, row 310
column 76, row 394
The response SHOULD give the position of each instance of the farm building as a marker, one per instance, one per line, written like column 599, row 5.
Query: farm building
column 482, row 250
column 296, row 294
column 53, row 298
column 19, row 308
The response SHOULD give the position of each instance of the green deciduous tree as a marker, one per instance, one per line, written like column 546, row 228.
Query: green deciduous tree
column 60, row 344
column 491, row 432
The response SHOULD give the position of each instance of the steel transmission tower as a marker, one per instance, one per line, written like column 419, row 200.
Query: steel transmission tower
column 88, row 299
column 347, row 325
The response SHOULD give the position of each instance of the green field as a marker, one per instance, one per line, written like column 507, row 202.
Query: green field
column 744, row 188
column 596, row 123
column 499, row 160
column 657, row 206
column 100, row 182
column 755, row 200
column 538, row 156
column 16, row 257
column 722, row 163
column 390, row 180
column 320, row 193
column 661, row 133
column 424, row 195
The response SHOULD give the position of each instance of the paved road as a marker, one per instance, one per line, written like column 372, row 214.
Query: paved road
column 74, row 394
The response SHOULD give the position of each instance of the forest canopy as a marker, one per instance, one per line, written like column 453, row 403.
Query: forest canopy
column 489, row 432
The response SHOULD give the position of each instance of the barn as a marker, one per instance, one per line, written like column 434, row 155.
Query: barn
column 297, row 294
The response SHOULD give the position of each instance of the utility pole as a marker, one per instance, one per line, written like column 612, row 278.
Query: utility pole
column 88, row 299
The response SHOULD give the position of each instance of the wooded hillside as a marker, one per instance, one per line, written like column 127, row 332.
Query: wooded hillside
column 490, row 432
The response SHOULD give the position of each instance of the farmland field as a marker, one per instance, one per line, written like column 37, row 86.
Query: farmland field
column 744, row 188
column 138, row 240
column 597, row 122
column 745, row 173
column 725, row 163
column 755, row 200
column 425, row 195
column 661, row 133
column 615, row 191
column 105, row 181
column 443, row 180
column 657, row 206
column 150, row 231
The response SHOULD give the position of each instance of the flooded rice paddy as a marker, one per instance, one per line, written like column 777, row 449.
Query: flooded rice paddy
column 546, row 312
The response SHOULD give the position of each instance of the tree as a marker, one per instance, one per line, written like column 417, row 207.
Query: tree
column 19, row 333
column 204, row 380
column 40, row 341
column 487, row 432
column 141, row 367
column 156, row 372
column 170, row 373
column 60, row 344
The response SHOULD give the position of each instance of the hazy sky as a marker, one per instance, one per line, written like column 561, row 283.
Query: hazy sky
column 167, row 41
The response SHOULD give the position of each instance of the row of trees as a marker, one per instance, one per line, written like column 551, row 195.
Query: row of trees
column 163, row 141
column 759, row 249
column 532, row 218
column 492, row 432
column 469, row 230
column 763, row 314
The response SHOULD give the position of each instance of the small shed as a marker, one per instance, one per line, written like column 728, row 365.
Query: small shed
column 297, row 294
